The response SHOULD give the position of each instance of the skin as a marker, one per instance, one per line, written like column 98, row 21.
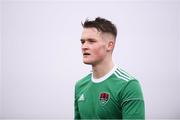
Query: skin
column 97, row 50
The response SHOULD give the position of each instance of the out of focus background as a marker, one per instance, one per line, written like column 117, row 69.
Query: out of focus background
column 40, row 55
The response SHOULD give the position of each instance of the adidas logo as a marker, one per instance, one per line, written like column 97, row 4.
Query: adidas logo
column 81, row 98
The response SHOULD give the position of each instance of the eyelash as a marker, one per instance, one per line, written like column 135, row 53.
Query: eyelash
column 91, row 41
column 82, row 42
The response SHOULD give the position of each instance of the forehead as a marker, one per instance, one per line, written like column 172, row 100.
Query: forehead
column 90, row 33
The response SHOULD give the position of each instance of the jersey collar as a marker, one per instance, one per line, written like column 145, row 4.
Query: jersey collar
column 105, row 76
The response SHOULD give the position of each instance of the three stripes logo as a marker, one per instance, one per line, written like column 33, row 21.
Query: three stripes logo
column 81, row 98
column 104, row 98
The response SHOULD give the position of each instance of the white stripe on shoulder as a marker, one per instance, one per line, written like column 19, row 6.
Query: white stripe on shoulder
column 123, row 73
column 118, row 76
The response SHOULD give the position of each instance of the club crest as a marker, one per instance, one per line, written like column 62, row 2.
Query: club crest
column 104, row 98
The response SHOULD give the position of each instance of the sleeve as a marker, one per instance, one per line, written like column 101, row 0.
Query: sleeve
column 132, row 101
column 76, row 111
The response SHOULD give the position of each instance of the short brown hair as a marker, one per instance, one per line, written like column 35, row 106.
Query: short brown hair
column 102, row 25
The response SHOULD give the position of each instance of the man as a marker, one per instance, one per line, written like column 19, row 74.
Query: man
column 108, row 92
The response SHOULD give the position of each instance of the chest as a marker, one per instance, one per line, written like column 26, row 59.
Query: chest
column 99, row 102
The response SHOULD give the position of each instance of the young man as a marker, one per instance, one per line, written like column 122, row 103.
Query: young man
column 108, row 92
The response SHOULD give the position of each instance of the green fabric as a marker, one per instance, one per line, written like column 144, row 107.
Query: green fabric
column 117, row 97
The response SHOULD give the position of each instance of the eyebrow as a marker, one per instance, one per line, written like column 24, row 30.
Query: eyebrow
column 89, row 39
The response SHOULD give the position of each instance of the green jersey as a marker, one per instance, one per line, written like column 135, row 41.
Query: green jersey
column 116, row 95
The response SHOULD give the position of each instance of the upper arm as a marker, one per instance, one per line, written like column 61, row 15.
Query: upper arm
column 132, row 101
column 76, row 110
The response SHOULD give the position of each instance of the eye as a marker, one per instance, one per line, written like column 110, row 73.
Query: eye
column 82, row 41
column 92, row 41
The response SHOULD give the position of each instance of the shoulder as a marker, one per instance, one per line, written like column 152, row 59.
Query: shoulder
column 83, row 80
column 82, row 84
column 133, row 85
column 121, row 78
column 123, row 75
column 132, row 90
column 130, row 85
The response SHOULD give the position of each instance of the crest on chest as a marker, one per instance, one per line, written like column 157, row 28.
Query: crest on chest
column 104, row 98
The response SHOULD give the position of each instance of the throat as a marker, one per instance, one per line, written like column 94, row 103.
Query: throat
column 100, row 71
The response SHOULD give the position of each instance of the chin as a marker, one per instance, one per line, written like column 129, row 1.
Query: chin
column 88, row 63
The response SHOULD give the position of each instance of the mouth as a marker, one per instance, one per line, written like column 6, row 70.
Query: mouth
column 86, row 54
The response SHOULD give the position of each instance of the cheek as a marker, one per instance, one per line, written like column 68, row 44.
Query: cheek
column 100, row 51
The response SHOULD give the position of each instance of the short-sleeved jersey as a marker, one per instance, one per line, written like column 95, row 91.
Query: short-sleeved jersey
column 117, row 95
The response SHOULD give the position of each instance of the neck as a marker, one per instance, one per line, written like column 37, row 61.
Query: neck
column 101, row 69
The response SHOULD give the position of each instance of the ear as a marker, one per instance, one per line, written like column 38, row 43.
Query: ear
column 110, row 45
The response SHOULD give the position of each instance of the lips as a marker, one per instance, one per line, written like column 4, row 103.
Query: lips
column 86, row 54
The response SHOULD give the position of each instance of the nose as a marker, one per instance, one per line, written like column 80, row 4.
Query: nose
column 84, row 46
